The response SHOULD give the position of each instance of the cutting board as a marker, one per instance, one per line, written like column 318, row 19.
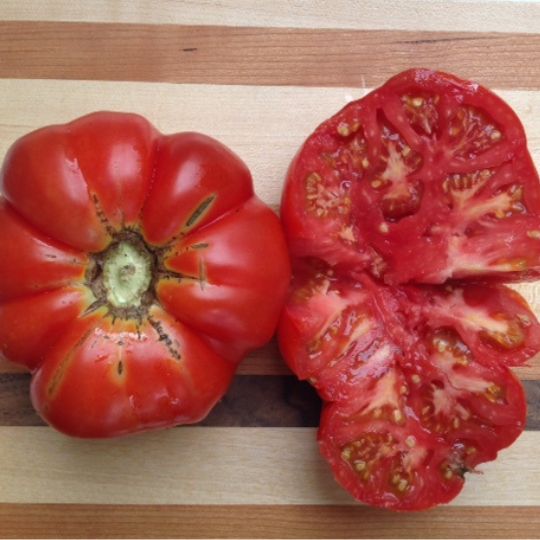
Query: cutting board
column 259, row 76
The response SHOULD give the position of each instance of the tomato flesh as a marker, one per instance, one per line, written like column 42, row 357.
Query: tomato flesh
column 404, row 213
column 425, row 168
column 414, row 401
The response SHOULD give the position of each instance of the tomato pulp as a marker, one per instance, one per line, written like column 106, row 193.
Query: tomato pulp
column 135, row 273
column 404, row 214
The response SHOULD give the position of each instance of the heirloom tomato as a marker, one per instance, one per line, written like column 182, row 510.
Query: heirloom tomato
column 134, row 274
column 404, row 213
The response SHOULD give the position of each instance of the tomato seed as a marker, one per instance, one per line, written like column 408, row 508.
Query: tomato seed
column 359, row 465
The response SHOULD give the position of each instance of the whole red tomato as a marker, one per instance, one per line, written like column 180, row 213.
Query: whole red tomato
column 404, row 212
column 135, row 272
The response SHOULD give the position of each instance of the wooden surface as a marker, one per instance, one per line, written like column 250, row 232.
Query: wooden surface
column 259, row 76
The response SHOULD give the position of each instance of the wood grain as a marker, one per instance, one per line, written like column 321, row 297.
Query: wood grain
column 259, row 56
column 254, row 469
column 262, row 521
column 434, row 15
column 217, row 465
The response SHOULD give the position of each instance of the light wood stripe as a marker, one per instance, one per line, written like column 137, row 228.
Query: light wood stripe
column 239, row 466
column 435, row 15
column 259, row 56
column 262, row 521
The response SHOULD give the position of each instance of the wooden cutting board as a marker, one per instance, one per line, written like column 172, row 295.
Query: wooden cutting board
column 260, row 76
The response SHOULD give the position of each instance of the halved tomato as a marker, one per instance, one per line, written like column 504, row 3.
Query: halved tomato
column 403, row 214
column 407, row 436
column 413, row 404
column 407, row 443
column 425, row 179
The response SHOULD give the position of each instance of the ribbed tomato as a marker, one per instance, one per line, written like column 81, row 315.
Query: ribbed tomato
column 134, row 272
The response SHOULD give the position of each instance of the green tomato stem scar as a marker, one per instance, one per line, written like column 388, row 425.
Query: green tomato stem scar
column 127, row 273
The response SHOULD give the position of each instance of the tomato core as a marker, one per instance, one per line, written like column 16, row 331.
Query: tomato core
column 127, row 273
column 122, row 276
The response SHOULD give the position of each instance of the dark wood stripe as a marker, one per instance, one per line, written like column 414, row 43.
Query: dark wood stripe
column 252, row 401
column 259, row 56
column 532, row 388
column 267, row 401
column 262, row 521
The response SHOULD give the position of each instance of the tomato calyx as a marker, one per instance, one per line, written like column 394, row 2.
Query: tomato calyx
column 122, row 277
column 126, row 274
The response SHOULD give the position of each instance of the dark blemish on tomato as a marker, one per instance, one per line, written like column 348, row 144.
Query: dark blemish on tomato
column 200, row 211
column 202, row 245
column 202, row 274
column 94, row 306
column 165, row 338
column 101, row 215
column 120, row 367
column 62, row 368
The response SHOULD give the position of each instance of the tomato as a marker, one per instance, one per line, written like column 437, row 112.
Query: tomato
column 135, row 274
column 428, row 169
column 404, row 213
column 415, row 400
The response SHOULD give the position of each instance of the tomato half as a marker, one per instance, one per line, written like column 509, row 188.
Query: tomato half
column 134, row 274
column 404, row 213
column 416, row 394
column 427, row 169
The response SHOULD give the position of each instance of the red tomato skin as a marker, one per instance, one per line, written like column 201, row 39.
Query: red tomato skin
column 76, row 192
column 42, row 159
column 115, row 153
column 30, row 325
column 105, row 379
column 192, row 170
column 236, row 277
column 33, row 262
